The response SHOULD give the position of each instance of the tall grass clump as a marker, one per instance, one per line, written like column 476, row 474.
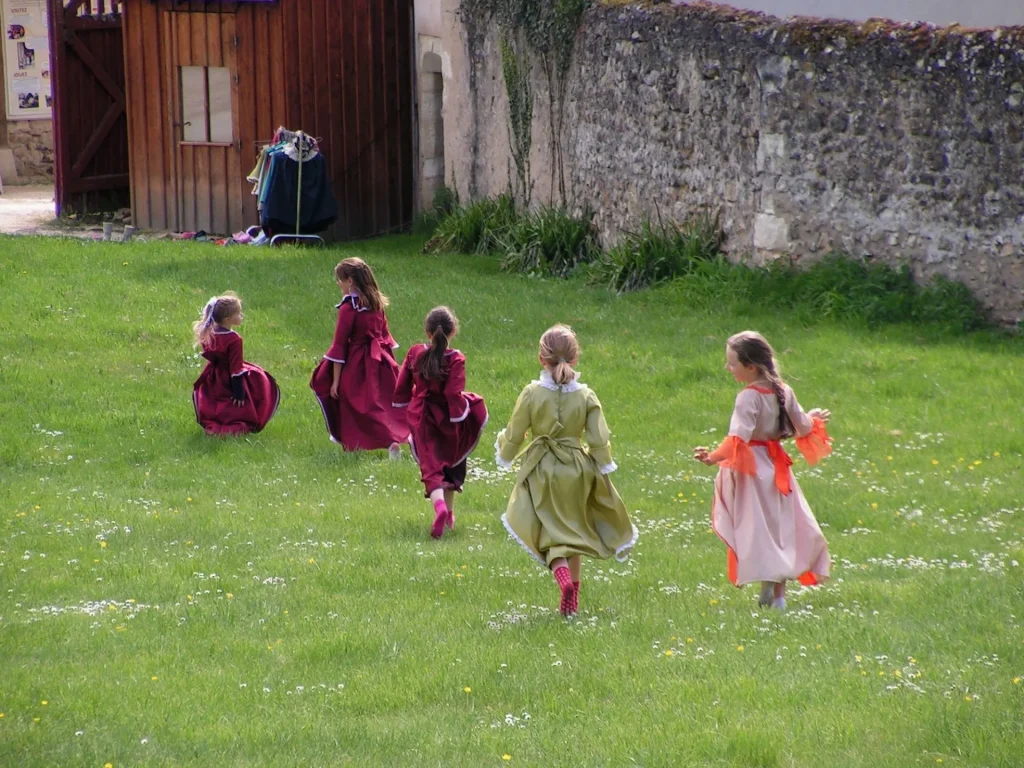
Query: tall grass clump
column 951, row 304
column 837, row 287
column 657, row 253
column 840, row 287
column 475, row 228
column 550, row 242
column 445, row 201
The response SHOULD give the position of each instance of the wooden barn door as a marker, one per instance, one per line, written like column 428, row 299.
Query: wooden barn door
column 373, row 41
column 89, row 122
column 203, row 86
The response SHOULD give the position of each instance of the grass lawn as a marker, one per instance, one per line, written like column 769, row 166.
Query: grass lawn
column 168, row 599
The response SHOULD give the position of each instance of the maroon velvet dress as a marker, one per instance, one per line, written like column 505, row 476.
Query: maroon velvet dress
column 446, row 422
column 362, row 418
column 211, row 394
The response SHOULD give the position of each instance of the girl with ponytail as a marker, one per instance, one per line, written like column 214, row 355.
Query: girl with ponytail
column 355, row 381
column 759, row 512
column 230, row 396
column 445, row 422
column 563, row 505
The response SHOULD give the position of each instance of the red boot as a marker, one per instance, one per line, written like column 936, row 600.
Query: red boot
column 441, row 515
column 564, row 579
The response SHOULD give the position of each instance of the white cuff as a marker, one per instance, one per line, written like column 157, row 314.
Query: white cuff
column 396, row 345
column 240, row 373
column 334, row 359
column 464, row 415
column 502, row 463
column 607, row 469
column 399, row 405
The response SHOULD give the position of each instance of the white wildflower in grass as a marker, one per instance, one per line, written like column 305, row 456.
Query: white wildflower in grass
column 206, row 584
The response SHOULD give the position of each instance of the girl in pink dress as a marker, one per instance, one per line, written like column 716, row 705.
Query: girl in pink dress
column 230, row 396
column 355, row 381
column 445, row 422
column 759, row 510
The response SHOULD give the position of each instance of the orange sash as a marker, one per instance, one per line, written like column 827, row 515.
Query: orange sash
column 781, row 461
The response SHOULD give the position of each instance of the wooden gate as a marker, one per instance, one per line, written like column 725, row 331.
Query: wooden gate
column 90, row 126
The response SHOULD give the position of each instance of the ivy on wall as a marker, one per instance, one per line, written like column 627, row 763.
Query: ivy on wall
column 533, row 33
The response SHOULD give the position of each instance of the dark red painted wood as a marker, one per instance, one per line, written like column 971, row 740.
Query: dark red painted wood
column 340, row 70
column 90, row 123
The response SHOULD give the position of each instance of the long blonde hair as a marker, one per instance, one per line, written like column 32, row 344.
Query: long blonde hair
column 217, row 310
column 363, row 283
column 559, row 351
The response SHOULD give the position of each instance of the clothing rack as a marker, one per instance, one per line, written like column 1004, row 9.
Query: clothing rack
column 304, row 146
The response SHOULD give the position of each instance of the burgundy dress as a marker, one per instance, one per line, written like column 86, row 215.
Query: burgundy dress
column 445, row 421
column 362, row 417
column 211, row 394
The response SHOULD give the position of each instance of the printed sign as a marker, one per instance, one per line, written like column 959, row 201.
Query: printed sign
column 26, row 53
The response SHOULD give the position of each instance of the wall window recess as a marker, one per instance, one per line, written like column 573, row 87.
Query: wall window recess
column 206, row 112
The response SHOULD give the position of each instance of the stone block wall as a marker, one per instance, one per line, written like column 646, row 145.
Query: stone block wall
column 890, row 142
column 32, row 144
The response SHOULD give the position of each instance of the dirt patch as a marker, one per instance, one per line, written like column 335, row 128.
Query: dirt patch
column 28, row 211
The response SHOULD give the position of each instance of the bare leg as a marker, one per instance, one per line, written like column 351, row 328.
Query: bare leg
column 575, row 566
column 449, row 500
column 576, row 570
column 780, row 596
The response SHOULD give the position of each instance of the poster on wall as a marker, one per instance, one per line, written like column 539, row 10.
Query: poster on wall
column 26, row 52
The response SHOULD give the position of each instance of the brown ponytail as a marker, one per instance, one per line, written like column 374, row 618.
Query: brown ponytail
column 441, row 325
column 785, row 423
column 753, row 349
column 559, row 351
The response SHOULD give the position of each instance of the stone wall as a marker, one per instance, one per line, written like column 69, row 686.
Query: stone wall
column 888, row 142
column 976, row 13
column 32, row 144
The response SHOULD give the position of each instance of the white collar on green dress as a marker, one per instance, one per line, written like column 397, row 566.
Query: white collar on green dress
column 547, row 382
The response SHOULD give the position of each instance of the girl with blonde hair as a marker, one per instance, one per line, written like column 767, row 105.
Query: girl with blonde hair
column 563, row 506
column 230, row 396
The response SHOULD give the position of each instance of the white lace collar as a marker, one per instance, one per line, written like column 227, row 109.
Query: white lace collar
column 355, row 302
column 547, row 382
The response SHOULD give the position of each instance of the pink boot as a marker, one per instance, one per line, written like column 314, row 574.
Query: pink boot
column 441, row 515
column 564, row 579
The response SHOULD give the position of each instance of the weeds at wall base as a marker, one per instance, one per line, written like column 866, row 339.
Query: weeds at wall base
column 552, row 242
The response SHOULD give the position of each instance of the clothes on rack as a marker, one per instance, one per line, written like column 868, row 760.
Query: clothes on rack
column 276, row 181
column 319, row 209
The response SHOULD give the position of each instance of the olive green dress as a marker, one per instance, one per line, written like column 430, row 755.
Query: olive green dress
column 563, row 503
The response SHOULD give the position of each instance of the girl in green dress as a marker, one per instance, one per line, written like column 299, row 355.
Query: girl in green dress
column 563, row 505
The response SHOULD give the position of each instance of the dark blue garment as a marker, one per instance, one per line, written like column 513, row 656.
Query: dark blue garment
column 319, row 207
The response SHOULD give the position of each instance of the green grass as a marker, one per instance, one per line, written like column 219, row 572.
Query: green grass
column 350, row 638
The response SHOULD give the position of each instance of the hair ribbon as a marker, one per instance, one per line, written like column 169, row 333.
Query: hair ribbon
column 211, row 305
